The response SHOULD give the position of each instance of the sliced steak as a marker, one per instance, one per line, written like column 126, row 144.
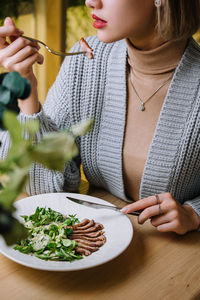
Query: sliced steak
column 87, row 247
column 89, row 243
column 88, row 235
column 88, row 225
column 82, row 223
column 94, row 234
column 96, row 227
column 92, row 239
column 82, row 251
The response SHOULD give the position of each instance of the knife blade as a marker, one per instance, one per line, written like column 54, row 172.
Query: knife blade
column 100, row 206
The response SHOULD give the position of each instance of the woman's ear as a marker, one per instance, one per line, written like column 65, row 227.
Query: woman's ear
column 157, row 3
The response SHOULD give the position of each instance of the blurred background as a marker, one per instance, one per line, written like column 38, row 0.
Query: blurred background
column 59, row 23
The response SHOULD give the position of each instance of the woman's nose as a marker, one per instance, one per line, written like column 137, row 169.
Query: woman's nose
column 93, row 3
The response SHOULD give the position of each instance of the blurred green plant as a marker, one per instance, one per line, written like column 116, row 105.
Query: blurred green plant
column 53, row 152
column 12, row 87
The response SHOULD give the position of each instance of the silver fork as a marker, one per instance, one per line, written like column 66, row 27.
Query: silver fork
column 59, row 53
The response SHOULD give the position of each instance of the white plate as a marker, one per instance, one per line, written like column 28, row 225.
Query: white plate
column 118, row 231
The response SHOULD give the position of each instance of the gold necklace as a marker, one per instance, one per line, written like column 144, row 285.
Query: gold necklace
column 142, row 103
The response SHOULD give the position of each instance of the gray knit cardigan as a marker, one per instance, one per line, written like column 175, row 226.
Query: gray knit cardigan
column 98, row 89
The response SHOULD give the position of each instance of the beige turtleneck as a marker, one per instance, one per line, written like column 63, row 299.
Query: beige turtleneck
column 148, row 70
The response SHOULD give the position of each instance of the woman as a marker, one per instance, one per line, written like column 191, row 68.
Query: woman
column 142, row 89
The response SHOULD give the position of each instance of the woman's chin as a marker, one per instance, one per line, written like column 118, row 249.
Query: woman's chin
column 107, row 38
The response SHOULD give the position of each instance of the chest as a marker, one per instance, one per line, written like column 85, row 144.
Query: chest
column 174, row 140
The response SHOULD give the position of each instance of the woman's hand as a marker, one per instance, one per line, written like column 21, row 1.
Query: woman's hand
column 166, row 213
column 20, row 55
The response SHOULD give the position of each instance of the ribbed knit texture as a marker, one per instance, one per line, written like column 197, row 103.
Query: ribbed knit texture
column 98, row 89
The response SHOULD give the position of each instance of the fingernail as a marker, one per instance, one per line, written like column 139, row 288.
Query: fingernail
column 124, row 210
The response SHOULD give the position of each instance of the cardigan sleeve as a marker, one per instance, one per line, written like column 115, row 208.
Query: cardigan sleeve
column 54, row 116
column 195, row 204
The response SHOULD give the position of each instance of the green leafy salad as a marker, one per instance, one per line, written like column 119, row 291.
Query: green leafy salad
column 48, row 236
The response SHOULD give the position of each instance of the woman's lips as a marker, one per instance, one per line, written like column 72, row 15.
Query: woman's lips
column 98, row 23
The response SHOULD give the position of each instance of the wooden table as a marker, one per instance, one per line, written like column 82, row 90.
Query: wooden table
column 155, row 266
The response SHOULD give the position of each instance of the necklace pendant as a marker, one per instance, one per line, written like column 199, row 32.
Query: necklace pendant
column 142, row 108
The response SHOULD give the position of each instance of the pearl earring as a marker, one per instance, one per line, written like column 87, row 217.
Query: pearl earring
column 158, row 3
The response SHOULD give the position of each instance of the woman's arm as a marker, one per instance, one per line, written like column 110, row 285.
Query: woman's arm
column 53, row 117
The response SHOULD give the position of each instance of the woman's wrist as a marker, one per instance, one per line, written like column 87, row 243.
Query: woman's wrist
column 194, row 217
column 31, row 105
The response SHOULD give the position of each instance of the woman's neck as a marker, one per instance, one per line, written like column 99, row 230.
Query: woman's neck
column 162, row 59
column 146, row 43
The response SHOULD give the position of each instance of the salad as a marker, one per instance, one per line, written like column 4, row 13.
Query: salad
column 48, row 237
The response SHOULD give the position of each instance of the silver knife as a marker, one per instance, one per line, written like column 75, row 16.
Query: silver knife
column 99, row 206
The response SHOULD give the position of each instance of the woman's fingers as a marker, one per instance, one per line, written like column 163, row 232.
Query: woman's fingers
column 15, row 47
column 23, row 41
column 24, row 67
column 12, row 57
column 9, row 29
column 140, row 204
column 148, row 213
column 170, row 226
column 21, row 55
column 161, row 219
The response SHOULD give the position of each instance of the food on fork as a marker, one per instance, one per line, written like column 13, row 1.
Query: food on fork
column 86, row 48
